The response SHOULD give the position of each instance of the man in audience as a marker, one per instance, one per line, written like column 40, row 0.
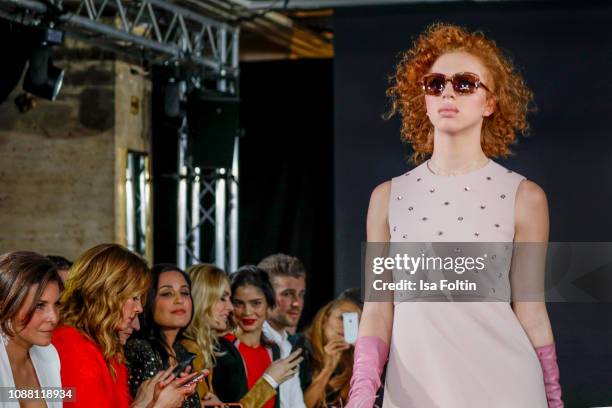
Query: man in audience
column 288, row 277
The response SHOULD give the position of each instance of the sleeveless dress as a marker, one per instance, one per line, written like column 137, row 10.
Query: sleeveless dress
column 458, row 354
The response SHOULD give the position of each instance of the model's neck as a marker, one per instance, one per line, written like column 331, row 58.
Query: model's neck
column 18, row 351
column 251, row 339
column 457, row 151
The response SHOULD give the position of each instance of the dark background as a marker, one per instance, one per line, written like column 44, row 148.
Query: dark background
column 286, row 173
column 563, row 51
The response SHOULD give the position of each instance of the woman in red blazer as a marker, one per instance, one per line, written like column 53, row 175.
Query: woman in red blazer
column 99, row 310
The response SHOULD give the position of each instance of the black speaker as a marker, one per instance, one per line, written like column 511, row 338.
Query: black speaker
column 214, row 123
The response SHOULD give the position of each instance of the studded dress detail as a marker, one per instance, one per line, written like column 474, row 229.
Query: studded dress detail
column 458, row 354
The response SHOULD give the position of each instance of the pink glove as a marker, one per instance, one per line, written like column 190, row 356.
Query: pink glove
column 550, row 369
column 370, row 356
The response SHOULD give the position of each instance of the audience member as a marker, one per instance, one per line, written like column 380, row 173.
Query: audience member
column 168, row 312
column 98, row 311
column 29, row 293
column 62, row 264
column 288, row 278
column 331, row 358
column 247, row 353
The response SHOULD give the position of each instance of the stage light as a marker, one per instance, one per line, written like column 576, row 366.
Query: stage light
column 42, row 77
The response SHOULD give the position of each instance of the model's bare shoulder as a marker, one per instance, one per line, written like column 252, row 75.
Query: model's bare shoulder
column 381, row 193
column 531, row 210
column 378, row 213
column 530, row 196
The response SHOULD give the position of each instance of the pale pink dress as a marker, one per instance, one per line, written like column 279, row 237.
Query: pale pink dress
column 458, row 354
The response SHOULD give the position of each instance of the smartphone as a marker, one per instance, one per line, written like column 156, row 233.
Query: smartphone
column 183, row 365
column 197, row 378
column 351, row 326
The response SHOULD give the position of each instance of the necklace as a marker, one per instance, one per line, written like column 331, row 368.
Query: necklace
column 476, row 164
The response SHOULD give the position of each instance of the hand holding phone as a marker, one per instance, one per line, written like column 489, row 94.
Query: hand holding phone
column 197, row 378
column 183, row 365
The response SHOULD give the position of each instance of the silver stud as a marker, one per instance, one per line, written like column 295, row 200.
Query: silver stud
column 432, row 190
column 509, row 171
column 446, row 203
column 496, row 225
column 457, row 249
column 476, row 234
column 488, row 177
column 493, row 256
column 407, row 174
column 419, row 179
column 404, row 236
column 410, row 208
column 440, row 233
column 394, row 229
column 459, row 218
column 502, row 196
column 466, row 188
column 500, row 275
column 493, row 289
column 424, row 218
column 399, row 198
column 482, row 207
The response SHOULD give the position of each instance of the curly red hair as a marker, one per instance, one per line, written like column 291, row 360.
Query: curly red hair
column 511, row 96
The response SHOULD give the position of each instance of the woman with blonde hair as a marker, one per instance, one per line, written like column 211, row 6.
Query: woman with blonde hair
column 98, row 310
column 330, row 357
column 211, row 295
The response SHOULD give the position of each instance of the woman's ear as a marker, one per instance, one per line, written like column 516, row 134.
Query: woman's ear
column 489, row 107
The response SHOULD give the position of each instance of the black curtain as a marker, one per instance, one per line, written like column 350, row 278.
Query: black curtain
column 286, row 173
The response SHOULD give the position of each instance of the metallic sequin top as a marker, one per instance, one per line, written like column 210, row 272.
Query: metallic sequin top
column 144, row 362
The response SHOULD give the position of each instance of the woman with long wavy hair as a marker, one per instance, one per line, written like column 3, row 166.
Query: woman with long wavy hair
column 330, row 357
column 98, row 311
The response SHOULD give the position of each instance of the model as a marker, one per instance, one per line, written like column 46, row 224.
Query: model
column 462, row 103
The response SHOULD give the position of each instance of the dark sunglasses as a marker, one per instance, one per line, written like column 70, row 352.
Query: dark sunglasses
column 464, row 83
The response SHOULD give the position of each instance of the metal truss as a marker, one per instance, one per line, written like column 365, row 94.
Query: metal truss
column 137, row 195
column 159, row 31
column 207, row 206
column 156, row 30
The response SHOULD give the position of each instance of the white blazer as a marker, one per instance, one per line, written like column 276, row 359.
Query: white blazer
column 46, row 364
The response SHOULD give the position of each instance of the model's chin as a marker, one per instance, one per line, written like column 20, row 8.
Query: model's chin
column 454, row 125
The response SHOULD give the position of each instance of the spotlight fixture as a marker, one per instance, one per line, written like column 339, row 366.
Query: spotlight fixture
column 42, row 77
